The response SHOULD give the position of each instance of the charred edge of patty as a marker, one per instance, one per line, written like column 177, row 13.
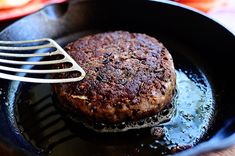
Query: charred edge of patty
column 101, row 127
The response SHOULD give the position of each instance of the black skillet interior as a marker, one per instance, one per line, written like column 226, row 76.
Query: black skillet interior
column 29, row 119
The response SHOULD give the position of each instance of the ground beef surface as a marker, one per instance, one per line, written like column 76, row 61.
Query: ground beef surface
column 129, row 76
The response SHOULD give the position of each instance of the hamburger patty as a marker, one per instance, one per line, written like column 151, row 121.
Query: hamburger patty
column 129, row 76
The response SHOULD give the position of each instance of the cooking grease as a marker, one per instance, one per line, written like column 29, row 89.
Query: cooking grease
column 178, row 127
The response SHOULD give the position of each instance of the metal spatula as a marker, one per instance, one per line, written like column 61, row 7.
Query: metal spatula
column 17, row 61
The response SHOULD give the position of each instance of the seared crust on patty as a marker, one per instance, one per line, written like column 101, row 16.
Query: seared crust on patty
column 129, row 76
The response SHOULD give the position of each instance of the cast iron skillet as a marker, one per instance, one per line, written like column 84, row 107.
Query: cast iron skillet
column 29, row 120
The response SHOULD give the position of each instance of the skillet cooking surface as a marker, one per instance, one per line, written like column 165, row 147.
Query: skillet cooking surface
column 31, row 121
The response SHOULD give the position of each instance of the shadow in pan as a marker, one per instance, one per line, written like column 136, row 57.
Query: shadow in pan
column 41, row 123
